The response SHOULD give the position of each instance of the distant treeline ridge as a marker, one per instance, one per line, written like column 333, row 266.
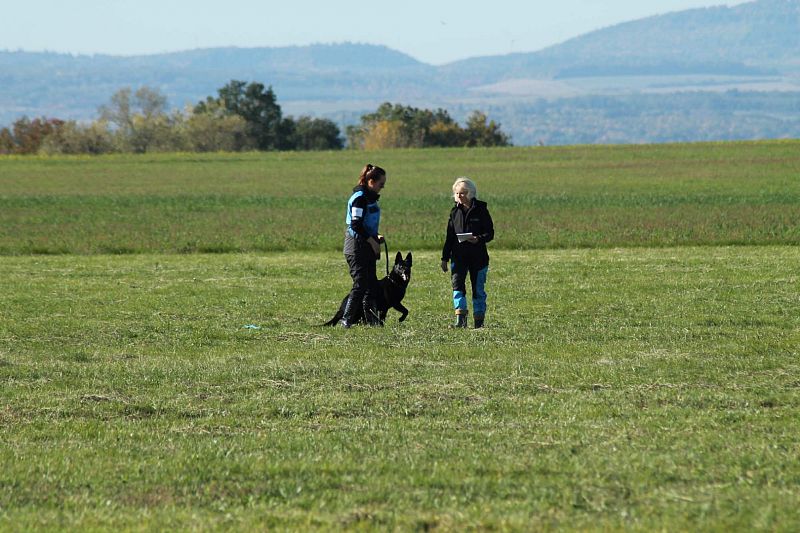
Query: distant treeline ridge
column 242, row 117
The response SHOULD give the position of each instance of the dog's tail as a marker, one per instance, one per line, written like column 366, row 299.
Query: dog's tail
column 338, row 316
column 333, row 321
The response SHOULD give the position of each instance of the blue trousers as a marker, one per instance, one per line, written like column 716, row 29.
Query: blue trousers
column 477, row 279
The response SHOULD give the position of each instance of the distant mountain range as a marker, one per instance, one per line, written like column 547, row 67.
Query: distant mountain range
column 749, row 47
column 756, row 37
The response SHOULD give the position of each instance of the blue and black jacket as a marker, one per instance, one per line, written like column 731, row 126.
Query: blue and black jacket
column 363, row 218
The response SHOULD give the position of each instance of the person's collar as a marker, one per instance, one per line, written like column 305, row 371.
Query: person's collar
column 371, row 196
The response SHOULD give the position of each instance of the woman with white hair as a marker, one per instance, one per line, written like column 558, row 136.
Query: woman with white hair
column 469, row 228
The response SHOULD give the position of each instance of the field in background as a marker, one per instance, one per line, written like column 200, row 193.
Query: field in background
column 664, row 195
column 652, row 387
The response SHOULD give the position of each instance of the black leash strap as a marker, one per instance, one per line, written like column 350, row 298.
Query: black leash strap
column 386, row 249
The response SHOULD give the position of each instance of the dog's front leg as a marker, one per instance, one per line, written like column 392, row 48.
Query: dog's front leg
column 400, row 307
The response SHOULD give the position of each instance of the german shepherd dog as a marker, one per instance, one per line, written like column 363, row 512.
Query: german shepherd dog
column 391, row 290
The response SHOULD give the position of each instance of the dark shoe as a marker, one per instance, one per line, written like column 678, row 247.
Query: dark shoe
column 478, row 322
column 461, row 321
column 350, row 314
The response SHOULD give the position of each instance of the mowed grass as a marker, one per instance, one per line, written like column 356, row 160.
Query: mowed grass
column 645, row 389
column 639, row 368
column 541, row 198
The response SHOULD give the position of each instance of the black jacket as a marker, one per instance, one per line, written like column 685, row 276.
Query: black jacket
column 475, row 220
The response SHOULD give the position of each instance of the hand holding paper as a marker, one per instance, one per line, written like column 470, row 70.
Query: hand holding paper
column 468, row 237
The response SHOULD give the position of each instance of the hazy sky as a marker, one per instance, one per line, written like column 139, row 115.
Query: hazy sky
column 433, row 31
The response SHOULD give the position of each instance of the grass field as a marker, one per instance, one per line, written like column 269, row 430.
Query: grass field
column 619, row 383
column 740, row 193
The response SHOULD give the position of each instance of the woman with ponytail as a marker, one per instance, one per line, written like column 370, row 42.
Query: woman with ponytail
column 362, row 246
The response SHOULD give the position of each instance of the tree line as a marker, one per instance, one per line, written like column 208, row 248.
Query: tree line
column 398, row 126
column 242, row 117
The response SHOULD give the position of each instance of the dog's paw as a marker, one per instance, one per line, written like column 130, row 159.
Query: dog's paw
column 403, row 318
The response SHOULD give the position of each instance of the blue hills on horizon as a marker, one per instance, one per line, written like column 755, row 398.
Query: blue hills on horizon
column 750, row 47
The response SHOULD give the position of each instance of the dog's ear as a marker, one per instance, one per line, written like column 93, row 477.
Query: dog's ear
column 408, row 258
column 398, row 258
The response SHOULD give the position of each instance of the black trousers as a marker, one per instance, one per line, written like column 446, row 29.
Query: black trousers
column 458, row 276
column 365, row 280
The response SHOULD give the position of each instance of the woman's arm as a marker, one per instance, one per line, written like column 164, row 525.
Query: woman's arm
column 357, row 212
column 449, row 240
column 488, row 233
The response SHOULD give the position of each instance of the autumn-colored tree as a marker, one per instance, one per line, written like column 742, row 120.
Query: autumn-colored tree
column 384, row 134
column 74, row 138
column 410, row 126
column 28, row 135
column 398, row 126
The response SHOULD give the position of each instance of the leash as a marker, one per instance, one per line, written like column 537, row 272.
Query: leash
column 386, row 249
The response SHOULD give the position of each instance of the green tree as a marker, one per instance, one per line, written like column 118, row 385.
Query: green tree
column 409, row 130
column 482, row 132
column 141, row 120
column 119, row 110
column 286, row 134
column 7, row 144
column 258, row 106
column 215, row 130
column 317, row 134
column 446, row 134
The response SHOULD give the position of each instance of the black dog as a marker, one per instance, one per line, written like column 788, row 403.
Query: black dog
column 391, row 290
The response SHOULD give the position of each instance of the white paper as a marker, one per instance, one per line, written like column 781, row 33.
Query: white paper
column 463, row 236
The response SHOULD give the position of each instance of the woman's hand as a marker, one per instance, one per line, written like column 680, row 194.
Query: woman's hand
column 376, row 248
column 473, row 240
column 380, row 239
column 444, row 265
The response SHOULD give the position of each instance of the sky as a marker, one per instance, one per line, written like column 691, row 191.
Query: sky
column 432, row 31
